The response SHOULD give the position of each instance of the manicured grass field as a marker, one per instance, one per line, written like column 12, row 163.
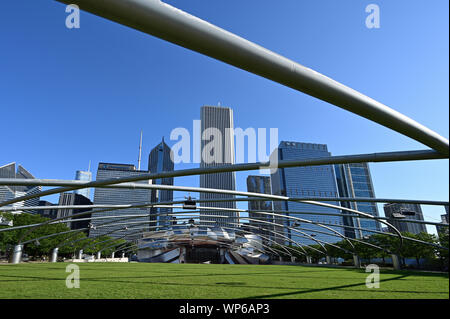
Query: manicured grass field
column 181, row 281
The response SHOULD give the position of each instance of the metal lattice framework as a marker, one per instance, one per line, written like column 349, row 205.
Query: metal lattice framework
column 171, row 24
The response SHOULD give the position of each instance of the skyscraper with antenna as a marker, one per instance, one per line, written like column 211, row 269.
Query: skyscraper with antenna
column 160, row 160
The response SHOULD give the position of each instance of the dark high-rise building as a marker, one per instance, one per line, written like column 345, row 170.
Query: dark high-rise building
column 49, row 212
column 161, row 160
column 217, row 145
column 395, row 210
column 261, row 184
column 120, row 196
column 309, row 181
column 72, row 199
column 353, row 181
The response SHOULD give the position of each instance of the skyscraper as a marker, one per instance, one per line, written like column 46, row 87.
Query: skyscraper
column 309, row 181
column 118, row 196
column 393, row 210
column 47, row 213
column 445, row 216
column 444, row 220
column 261, row 184
column 83, row 176
column 71, row 199
column 12, row 192
column 217, row 146
column 160, row 160
column 354, row 180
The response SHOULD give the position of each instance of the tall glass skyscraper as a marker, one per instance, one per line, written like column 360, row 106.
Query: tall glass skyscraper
column 83, row 176
column 160, row 160
column 217, row 145
column 354, row 180
column 310, row 181
column 118, row 196
column 261, row 184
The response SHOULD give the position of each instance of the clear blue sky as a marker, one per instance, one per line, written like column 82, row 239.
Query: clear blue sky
column 70, row 96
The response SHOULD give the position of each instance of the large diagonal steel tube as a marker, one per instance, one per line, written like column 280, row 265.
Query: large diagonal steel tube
column 159, row 19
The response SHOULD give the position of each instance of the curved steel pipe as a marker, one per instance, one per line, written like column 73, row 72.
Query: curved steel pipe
column 374, row 157
column 171, row 24
column 231, row 192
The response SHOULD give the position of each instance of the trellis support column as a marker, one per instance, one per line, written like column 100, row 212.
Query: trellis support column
column 54, row 255
column 17, row 254
column 356, row 261
column 396, row 262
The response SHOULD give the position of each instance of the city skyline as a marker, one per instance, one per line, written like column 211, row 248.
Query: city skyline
column 109, row 196
column 375, row 66
column 292, row 150
column 87, row 177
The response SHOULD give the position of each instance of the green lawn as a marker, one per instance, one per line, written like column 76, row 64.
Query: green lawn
column 181, row 281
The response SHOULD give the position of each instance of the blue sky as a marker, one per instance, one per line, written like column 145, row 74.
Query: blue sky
column 68, row 96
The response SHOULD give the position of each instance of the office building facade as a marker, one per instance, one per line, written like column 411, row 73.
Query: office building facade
column 72, row 199
column 12, row 192
column 269, row 226
column 49, row 212
column 120, row 196
column 217, row 147
column 301, row 182
column 354, row 180
column 394, row 209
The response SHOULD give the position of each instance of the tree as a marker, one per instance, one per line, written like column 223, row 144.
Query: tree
column 419, row 250
column 38, row 248
column 443, row 254
column 383, row 241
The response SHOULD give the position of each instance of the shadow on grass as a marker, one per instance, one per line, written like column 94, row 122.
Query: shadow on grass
column 236, row 285
column 332, row 288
